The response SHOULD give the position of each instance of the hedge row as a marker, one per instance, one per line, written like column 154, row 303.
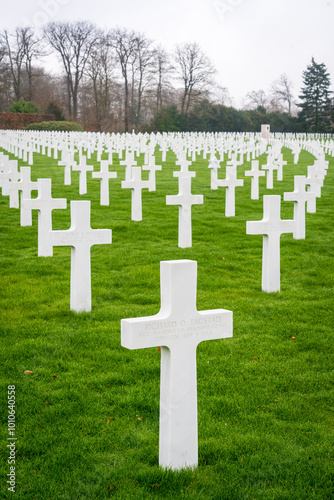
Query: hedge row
column 61, row 126
column 18, row 121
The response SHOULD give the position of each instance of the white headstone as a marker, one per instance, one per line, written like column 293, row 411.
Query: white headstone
column 230, row 182
column 83, row 168
column 234, row 162
column 279, row 162
column 25, row 185
column 214, row 165
column 4, row 174
column 13, row 177
column 67, row 161
column 152, row 168
column 185, row 200
column 300, row 196
column 136, row 184
column 81, row 237
column 44, row 203
column 270, row 167
column 313, row 180
column 271, row 226
column 129, row 163
column 104, row 175
column 183, row 162
column 178, row 328
column 265, row 132
column 255, row 173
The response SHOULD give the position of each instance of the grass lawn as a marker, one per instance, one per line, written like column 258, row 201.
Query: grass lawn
column 87, row 419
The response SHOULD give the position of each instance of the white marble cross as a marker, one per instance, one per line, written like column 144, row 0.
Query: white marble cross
column 296, row 154
column 129, row 163
column 214, row 165
column 178, row 328
column 230, row 182
column 270, row 167
column 313, row 180
column 322, row 167
column 80, row 237
column 164, row 149
column 183, row 162
column 255, row 173
column 271, row 227
column 152, row 168
column 279, row 162
column 83, row 168
column 136, row 184
column 300, row 196
column 44, row 203
column 67, row 161
column 25, row 186
column 185, row 200
column 11, row 178
column 104, row 175
column 4, row 174
column 234, row 162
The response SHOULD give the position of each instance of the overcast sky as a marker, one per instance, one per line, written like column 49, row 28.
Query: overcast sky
column 250, row 42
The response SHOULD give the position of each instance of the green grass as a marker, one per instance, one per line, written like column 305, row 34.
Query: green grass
column 87, row 420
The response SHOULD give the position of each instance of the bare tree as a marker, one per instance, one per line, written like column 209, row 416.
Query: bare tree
column 74, row 43
column 15, row 53
column 48, row 88
column 282, row 93
column 124, row 43
column 21, row 50
column 256, row 99
column 141, row 71
column 221, row 95
column 5, row 78
column 195, row 70
column 100, row 66
column 163, row 69
column 32, row 51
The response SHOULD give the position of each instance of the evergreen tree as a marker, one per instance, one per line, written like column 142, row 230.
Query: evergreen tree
column 315, row 97
column 54, row 109
column 22, row 106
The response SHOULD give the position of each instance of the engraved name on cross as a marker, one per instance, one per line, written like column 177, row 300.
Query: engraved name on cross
column 178, row 328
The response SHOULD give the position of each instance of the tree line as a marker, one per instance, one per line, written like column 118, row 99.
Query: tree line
column 120, row 81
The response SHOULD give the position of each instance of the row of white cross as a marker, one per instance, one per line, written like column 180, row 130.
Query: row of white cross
column 25, row 143
column 178, row 328
column 271, row 226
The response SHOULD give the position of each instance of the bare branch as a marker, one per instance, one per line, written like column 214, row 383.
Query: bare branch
column 282, row 93
column 255, row 99
column 74, row 43
column 195, row 70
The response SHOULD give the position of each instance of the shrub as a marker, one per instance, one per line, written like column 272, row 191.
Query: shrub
column 22, row 106
column 59, row 126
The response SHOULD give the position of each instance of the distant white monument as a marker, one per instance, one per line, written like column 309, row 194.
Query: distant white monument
column 265, row 132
